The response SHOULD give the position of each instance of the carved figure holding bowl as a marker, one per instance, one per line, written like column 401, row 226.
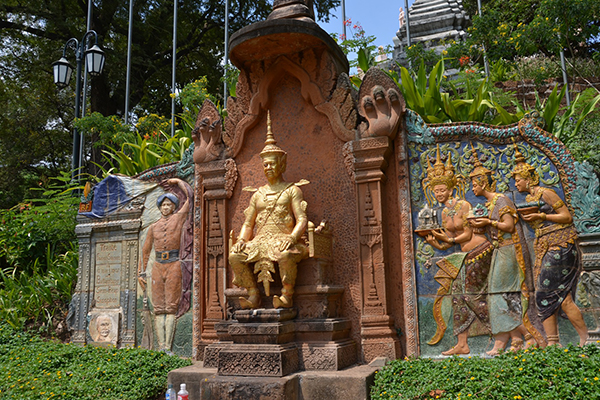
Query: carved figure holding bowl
column 557, row 255
column 508, row 296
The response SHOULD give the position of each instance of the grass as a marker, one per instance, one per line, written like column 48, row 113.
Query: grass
column 551, row 373
column 33, row 368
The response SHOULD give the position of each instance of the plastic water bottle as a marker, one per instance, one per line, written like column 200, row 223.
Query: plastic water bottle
column 183, row 393
column 170, row 395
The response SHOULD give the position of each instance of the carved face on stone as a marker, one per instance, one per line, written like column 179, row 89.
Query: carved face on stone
column 167, row 207
column 104, row 326
column 521, row 183
column 477, row 186
column 442, row 193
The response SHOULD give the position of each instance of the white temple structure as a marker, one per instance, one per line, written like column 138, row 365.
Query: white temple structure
column 431, row 21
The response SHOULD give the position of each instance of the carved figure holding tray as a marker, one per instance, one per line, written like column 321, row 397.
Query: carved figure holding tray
column 508, row 296
column 464, row 273
column 557, row 255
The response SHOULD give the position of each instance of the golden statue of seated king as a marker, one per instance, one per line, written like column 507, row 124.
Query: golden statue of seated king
column 278, row 212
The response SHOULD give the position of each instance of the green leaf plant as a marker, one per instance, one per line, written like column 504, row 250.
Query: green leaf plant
column 427, row 96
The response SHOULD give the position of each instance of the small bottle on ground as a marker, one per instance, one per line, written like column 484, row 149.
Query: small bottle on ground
column 170, row 395
column 183, row 393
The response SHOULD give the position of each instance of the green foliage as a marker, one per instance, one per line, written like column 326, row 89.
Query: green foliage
column 362, row 45
column 192, row 97
column 231, row 76
column 471, row 100
column 527, row 27
column 150, row 146
column 27, row 155
column 32, row 368
column 38, row 260
column 39, row 296
column 147, row 152
column 569, row 126
column 551, row 107
column 150, row 127
column 416, row 54
column 110, row 131
column 501, row 71
column 48, row 220
column 586, row 143
column 540, row 68
column 551, row 373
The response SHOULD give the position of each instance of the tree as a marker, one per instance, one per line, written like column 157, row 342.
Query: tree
column 526, row 27
column 33, row 34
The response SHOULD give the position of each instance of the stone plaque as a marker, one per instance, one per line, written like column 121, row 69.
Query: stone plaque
column 108, row 274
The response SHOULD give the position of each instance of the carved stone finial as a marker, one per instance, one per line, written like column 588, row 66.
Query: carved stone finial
column 293, row 9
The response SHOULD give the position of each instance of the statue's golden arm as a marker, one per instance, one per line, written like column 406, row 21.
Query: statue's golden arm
column 299, row 213
column 247, row 226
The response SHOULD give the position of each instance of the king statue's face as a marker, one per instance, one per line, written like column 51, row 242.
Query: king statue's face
column 167, row 207
column 272, row 166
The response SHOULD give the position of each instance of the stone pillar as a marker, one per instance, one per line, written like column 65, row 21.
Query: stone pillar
column 81, row 301
column 378, row 335
column 214, row 185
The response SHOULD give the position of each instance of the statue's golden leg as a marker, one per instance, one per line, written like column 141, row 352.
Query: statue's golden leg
column 288, row 271
column 244, row 277
column 286, row 299
column 253, row 300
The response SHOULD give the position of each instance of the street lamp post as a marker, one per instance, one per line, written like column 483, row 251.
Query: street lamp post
column 94, row 57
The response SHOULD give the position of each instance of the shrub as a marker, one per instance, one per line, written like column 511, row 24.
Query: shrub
column 32, row 368
column 40, row 296
column 585, row 145
column 38, row 257
column 47, row 219
column 551, row 373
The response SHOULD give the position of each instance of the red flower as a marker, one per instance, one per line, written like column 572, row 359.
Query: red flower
column 464, row 60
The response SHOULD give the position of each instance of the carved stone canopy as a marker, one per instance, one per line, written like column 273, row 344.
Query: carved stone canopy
column 266, row 39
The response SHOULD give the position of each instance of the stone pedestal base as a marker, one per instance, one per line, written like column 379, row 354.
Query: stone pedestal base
column 327, row 356
column 378, row 338
column 204, row 384
column 239, row 388
column 324, row 344
column 266, row 327
column 321, row 344
column 257, row 359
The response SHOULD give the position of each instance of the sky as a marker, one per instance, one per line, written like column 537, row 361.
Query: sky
column 378, row 18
